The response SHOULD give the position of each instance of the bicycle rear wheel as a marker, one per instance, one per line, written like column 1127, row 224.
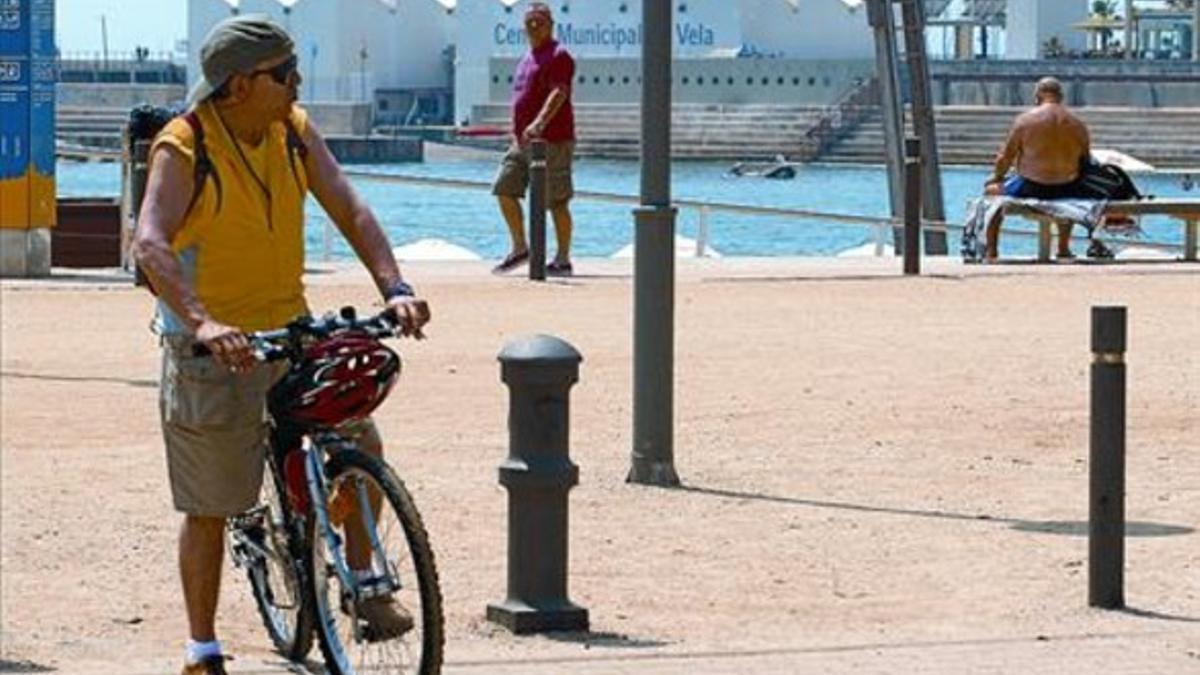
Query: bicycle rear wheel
column 261, row 543
column 402, row 568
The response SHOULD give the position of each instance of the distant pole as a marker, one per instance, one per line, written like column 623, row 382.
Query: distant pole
column 362, row 71
column 104, row 40
column 653, row 456
column 1195, row 30
column 1129, row 29
column 883, row 23
column 923, row 122
column 1106, row 462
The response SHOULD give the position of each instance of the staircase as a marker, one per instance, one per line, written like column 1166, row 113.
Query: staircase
column 1164, row 137
column 93, row 127
column 698, row 130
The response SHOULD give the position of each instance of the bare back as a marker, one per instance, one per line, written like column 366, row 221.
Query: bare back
column 1049, row 142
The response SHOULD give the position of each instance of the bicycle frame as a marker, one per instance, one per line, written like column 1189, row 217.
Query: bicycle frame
column 317, row 447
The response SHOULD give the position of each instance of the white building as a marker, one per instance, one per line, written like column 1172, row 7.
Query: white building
column 348, row 49
column 728, row 51
column 358, row 50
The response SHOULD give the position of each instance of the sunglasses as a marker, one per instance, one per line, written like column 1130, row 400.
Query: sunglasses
column 280, row 73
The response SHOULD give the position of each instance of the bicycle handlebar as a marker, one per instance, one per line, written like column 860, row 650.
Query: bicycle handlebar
column 283, row 343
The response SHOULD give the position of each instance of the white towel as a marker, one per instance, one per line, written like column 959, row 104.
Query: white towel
column 986, row 211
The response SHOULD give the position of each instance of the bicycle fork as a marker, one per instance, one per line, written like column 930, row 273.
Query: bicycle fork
column 353, row 589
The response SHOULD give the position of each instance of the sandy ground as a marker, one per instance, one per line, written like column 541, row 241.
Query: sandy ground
column 881, row 475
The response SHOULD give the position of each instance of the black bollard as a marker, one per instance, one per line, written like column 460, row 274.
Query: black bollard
column 538, row 473
column 912, row 216
column 1106, row 494
column 537, row 210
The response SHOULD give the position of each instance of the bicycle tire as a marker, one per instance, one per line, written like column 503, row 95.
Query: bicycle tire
column 335, row 628
column 291, row 630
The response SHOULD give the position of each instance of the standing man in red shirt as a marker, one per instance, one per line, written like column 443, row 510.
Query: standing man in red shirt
column 541, row 106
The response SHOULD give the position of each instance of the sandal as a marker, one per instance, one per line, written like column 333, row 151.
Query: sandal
column 511, row 261
column 559, row 269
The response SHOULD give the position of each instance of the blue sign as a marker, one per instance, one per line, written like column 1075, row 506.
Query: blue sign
column 27, row 79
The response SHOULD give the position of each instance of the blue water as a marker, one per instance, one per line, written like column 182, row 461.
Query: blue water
column 470, row 218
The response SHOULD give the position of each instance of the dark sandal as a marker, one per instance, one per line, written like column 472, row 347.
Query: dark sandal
column 510, row 262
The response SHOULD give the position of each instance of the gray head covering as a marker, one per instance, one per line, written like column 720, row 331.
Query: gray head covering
column 237, row 45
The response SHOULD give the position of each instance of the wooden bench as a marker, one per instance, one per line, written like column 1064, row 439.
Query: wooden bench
column 1185, row 210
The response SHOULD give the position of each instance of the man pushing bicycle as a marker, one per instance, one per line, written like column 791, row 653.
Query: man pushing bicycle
column 220, row 237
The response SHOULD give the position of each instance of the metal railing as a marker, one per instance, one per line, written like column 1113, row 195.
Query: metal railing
column 841, row 118
column 704, row 209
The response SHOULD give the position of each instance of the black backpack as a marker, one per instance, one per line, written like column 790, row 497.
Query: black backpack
column 1107, row 181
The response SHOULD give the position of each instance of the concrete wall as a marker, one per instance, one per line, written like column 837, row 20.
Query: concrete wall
column 1149, row 84
column 376, row 149
column 25, row 253
column 88, row 95
column 712, row 80
column 341, row 118
column 1031, row 23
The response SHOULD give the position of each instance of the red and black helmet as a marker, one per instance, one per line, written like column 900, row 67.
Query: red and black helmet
column 342, row 378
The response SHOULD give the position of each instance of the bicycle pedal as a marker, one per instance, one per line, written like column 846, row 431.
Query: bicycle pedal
column 252, row 518
column 248, row 545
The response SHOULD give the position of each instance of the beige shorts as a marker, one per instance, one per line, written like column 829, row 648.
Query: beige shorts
column 215, row 428
column 512, row 180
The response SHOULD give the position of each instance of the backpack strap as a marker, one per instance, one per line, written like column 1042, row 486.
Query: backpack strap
column 203, row 166
column 295, row 146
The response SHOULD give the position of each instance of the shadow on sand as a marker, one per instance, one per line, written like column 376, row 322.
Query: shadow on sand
column 1063, row 527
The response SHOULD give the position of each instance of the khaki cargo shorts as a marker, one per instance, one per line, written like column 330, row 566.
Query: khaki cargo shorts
column 512, row 180
column 215, row 428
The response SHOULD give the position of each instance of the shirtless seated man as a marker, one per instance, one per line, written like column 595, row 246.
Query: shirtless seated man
column 1048, row 145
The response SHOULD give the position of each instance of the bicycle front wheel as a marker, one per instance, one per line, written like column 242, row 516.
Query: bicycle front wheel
column 262, row 542
column 384, row 550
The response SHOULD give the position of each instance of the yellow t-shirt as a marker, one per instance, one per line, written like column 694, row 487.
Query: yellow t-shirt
column 244, row 252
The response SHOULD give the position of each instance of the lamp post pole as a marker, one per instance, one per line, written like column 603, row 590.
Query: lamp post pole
column 653, row 456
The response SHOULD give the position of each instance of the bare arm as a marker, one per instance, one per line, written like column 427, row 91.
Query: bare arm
column 358, row 224
column 168, row 193
column 550, row 108
column 1007, row 155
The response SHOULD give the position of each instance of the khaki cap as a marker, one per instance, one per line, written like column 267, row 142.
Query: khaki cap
column 236, row 45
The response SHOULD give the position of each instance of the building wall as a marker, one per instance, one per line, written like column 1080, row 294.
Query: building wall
column 812, row 29
column 1138, row 84
column 92, row 95
column 404, row 47
column 1032, row 22
column 589, row 28
column 706, row 80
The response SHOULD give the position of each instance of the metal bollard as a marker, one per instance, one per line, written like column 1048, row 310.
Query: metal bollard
column 912, row 205
column 537, row 211
column 539, row 371
column 912, row 217
column 1106, row 463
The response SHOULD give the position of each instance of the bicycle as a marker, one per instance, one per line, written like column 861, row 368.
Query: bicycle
column 318, row 548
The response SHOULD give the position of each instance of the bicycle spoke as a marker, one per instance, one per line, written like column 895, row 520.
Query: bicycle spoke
column 375, row 535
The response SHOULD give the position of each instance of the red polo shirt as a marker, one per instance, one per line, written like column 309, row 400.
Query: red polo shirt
column 540, row 72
